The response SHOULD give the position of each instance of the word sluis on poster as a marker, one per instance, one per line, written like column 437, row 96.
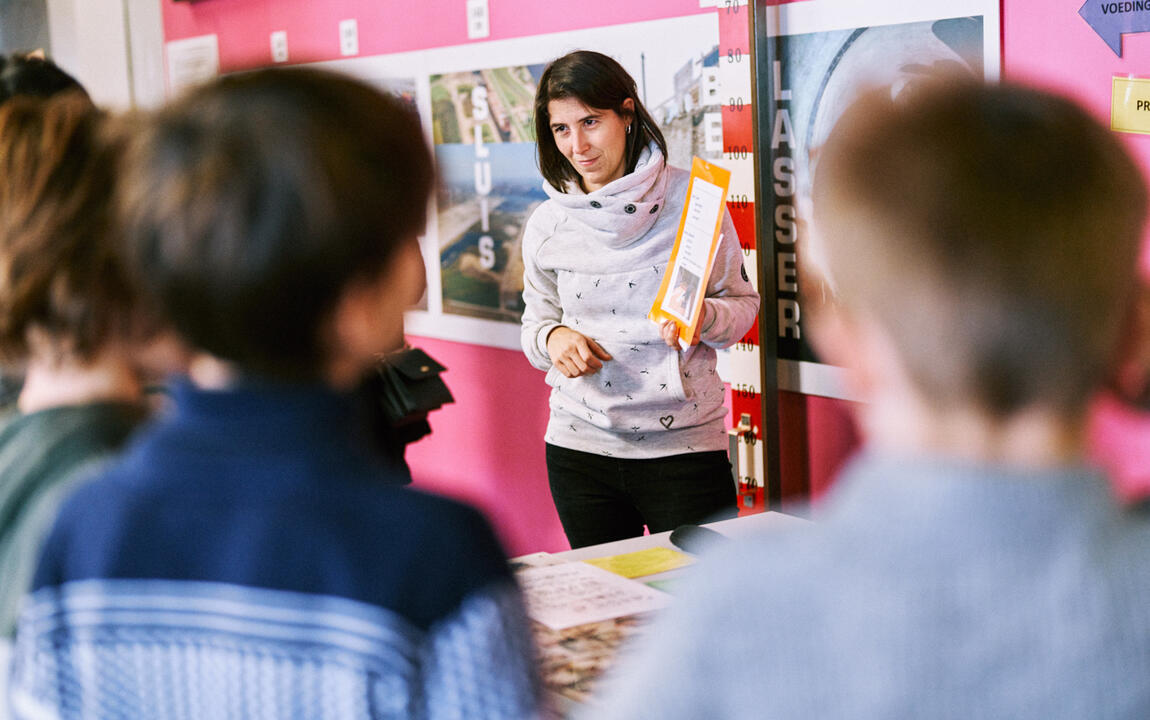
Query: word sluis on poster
column 479, row 113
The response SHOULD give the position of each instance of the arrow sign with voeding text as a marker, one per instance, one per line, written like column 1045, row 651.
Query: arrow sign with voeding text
column 1112, row 19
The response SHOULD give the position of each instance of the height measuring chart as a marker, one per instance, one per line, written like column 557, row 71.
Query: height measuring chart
column 745, row 371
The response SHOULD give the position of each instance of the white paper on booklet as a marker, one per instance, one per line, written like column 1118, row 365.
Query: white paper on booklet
column 694, row 256
column 680, row 297
column 563, row 596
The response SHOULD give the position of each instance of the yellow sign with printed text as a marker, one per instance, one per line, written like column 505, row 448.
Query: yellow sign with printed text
column 1130, row 105
column 680, row 297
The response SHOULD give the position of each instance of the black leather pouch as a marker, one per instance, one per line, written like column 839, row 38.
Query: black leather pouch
column 411, row 386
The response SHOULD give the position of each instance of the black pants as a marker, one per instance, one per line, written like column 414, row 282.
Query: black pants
column 601, row 499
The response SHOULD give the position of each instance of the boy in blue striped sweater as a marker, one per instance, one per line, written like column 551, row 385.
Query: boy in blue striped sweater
column 248, row 557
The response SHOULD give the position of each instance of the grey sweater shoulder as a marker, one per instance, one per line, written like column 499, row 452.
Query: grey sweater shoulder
column 929, row 589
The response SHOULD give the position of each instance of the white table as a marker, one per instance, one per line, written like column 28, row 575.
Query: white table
column 733, row 528
column 559, row 707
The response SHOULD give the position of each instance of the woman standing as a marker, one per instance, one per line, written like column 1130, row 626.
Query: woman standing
column 636, row 435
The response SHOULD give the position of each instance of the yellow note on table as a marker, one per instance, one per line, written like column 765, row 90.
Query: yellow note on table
column 642, row 562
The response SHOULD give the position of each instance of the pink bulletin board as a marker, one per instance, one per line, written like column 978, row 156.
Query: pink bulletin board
column 386, row 26
column 1048, row 45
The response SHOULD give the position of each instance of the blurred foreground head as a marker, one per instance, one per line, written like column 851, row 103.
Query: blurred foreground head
column 992, row 233
column 65, row 294
column 258, row 206
column 32, row 74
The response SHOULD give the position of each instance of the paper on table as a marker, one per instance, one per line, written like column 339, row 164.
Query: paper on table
column 538, row 559
column 642, row 562
column 562, row 596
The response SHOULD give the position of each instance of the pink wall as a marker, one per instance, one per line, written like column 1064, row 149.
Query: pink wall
column 387, row 26
column 488, row 447
column 1048, row 45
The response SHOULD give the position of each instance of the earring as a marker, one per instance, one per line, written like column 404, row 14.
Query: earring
column 628, row 129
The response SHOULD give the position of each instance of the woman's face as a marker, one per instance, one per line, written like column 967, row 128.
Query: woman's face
column 593, row 141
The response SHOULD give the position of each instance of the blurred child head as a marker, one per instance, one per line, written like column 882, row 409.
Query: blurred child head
column 31, row 74
column 64, row 289
column 990, row 235
column 274, row 217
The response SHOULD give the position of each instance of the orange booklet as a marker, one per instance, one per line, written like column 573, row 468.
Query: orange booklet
column 684, row 285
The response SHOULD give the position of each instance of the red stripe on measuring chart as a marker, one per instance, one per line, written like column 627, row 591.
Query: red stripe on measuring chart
column 744, row 218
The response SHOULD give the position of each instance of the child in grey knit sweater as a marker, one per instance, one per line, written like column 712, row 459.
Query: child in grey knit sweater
column 981, row 241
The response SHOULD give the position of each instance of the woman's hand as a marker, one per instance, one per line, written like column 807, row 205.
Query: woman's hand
column 574, row 353
column 669, row 329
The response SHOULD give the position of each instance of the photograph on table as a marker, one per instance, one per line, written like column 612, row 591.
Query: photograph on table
column 812, row 60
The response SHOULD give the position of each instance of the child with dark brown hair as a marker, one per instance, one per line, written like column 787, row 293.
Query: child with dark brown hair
column 247, row 557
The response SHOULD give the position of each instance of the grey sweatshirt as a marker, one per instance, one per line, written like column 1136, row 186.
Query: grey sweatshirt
column 928, row 588
column 594, row 263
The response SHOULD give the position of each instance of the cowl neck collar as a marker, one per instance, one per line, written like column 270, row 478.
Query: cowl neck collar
column 622, row 211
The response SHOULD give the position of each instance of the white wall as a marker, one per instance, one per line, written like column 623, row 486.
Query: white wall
column 90, row 39
column 146, row 45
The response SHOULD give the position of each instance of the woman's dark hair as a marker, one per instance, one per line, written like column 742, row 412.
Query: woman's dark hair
column 61, row 272
column 601, row 83
column 24, row 74
column 252, row 203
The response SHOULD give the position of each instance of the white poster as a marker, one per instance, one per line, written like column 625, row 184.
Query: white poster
column 812, row 60
column 191, row 61
column 476, row 102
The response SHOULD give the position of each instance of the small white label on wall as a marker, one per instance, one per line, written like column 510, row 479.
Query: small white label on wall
column 478, row 19
column 348, row 37
column 192, row 61
column 279, row 46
